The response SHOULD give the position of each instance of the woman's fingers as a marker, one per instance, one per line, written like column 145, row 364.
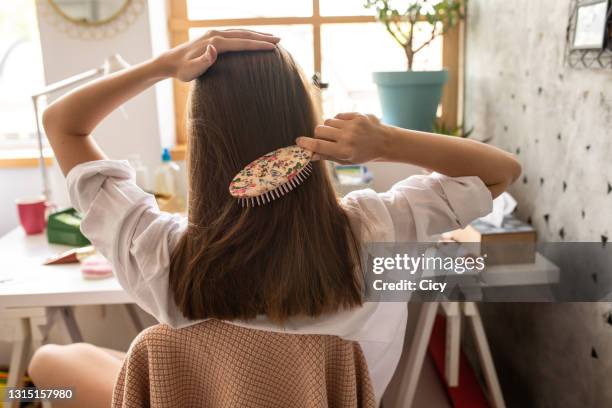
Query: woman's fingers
column 249, row 34
column 373, row 118
column 317, row 157
column 319, row 146
column 345, row 139
column 348, row 115
column 327, row 133
column 210, row 55
column 240, row 44
column 205, row 60
column 230, row 40
column 336, row 123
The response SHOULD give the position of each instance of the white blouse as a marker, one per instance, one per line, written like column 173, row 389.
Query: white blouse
column 125, row 224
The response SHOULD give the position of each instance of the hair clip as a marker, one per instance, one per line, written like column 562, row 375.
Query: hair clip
column 271, row 176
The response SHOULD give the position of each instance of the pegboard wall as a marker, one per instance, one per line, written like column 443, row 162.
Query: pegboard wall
column 522, row 92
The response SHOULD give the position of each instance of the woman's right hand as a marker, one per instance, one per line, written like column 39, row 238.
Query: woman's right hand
column 191, row 59
column 349, row 138
column 356, row 138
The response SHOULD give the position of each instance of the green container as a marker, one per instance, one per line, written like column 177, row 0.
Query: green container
column 410, row 99
column 63, row 227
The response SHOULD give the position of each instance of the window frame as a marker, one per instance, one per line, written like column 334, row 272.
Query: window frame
column 179, row 25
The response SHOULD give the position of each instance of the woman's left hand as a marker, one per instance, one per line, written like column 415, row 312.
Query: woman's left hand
column 191, row 59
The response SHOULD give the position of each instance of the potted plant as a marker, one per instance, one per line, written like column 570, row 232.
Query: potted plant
column 410, row 99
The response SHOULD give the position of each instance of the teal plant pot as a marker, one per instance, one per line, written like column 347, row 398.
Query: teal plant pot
column 410, row 99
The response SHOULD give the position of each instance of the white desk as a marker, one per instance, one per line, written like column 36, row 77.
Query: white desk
column 33, row 295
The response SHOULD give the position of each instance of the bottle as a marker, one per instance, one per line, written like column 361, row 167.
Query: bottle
column 167, row 185
column 142, row 173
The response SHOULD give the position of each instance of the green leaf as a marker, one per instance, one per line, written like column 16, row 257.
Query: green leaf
column 446, row 13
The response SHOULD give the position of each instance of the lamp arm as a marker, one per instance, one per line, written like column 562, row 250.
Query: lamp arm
column 68, row 82
column 41, row 155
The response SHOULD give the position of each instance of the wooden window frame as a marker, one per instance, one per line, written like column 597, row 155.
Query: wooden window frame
column 28, row 158
column 179, row 25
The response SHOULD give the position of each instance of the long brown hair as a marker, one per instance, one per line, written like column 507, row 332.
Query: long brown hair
column 295, row 256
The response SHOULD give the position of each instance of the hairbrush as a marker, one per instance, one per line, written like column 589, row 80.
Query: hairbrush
column 271, row 176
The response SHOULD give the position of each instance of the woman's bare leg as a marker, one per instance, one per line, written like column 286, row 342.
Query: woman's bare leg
column 88, row 370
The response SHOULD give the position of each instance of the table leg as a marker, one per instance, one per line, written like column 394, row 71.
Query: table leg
column 484, row 355
column 19, row 356
column 453, row 342
column 67, row 315
column 416, row 354
column 39, row 327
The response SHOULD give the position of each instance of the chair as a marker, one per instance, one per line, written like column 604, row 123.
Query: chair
column 216, row 364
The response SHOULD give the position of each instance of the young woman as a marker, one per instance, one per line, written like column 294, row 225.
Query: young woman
column 291, row 265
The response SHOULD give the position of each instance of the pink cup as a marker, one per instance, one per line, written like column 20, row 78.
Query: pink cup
column 32, row 214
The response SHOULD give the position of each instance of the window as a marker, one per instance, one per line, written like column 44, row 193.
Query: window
column 339, row 39
column 21, row 74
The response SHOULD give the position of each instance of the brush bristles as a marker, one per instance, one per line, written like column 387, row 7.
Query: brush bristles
column 279, row 191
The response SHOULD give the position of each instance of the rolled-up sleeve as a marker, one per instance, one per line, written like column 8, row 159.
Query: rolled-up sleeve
column 125, row 224
column 421, row 207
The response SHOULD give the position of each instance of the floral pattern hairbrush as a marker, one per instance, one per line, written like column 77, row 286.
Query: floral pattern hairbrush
column 271, row 176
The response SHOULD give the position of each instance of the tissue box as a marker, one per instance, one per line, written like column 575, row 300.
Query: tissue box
column 63, row 227
column 512, row 243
